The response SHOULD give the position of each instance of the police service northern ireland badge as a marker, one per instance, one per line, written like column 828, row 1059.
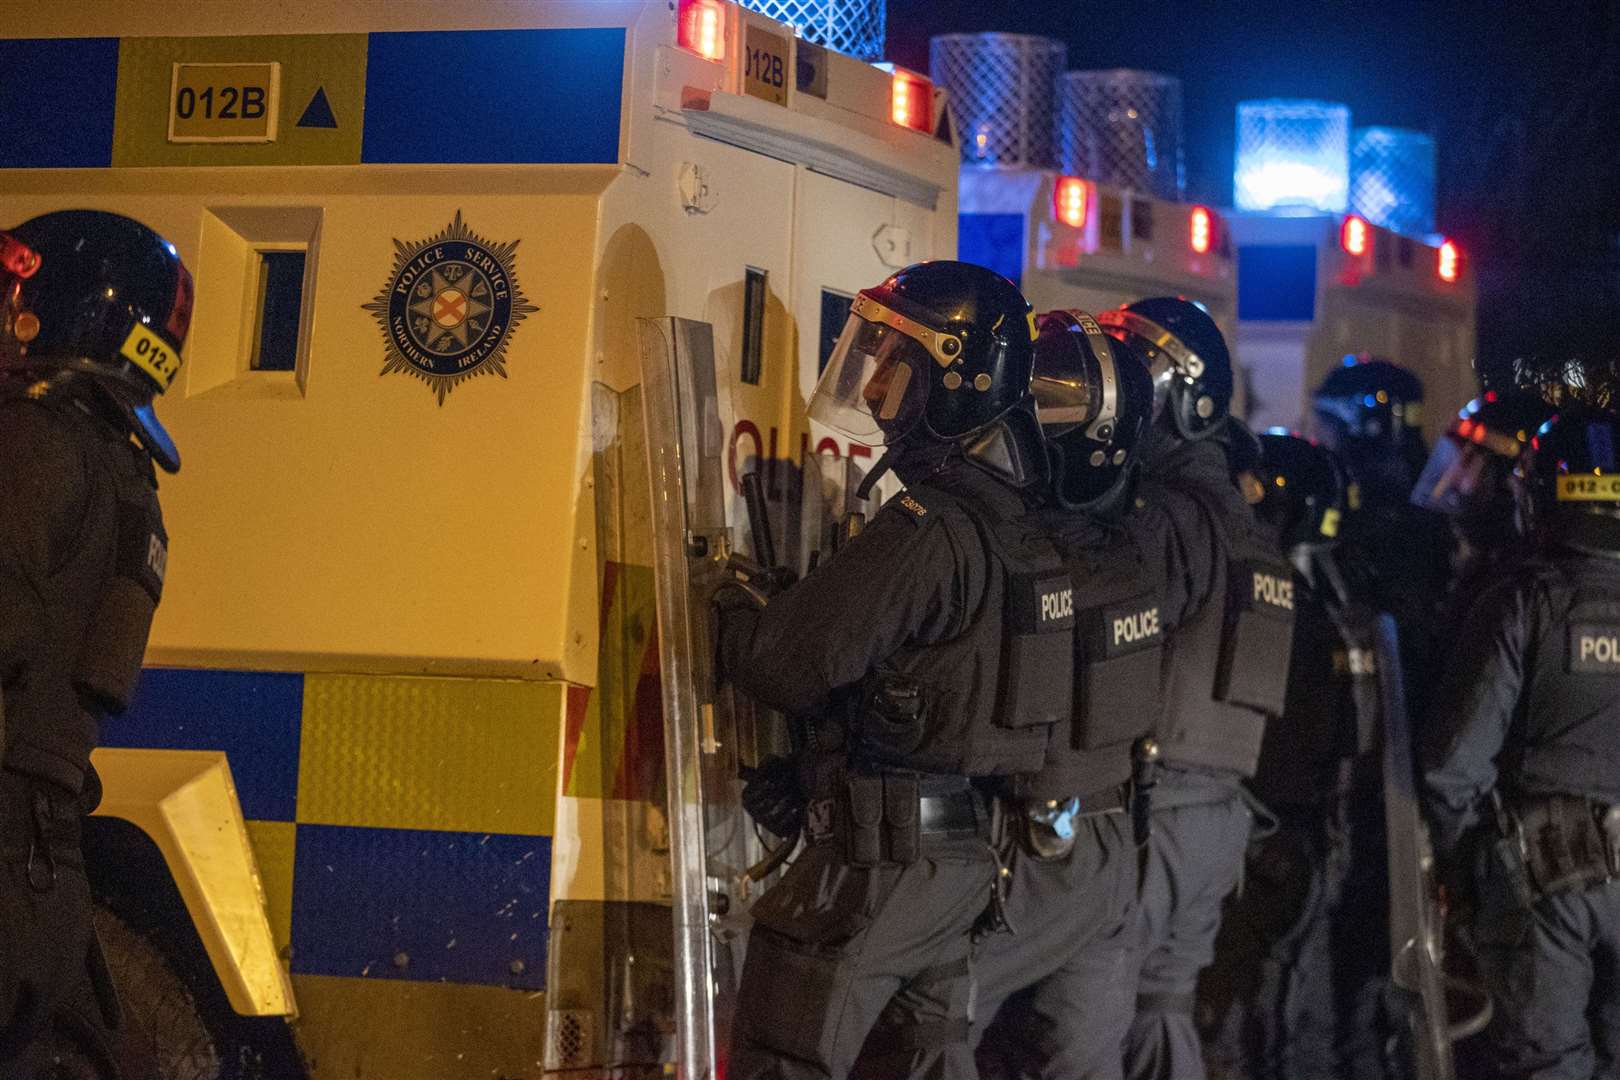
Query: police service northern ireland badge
column 450, row 307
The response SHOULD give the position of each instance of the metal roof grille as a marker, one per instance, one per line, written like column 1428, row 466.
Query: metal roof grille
column 1122, row 128
column 1001, row 88
column 852, row 27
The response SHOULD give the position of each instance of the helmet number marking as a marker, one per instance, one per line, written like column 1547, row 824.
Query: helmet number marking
column 151, row 354
column 1588, row 488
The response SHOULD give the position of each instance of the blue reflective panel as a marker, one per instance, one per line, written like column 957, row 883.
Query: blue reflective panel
column 995, row 241
column 57, row 98
column 1277, row 282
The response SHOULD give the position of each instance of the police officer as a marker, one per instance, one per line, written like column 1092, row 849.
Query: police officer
column 1369, row 412
column 1469, row 479
column 916, row 658
column 1522, row 761
column 94, row 309
column 1222, row 679
column 1293, row 989
column 1069, row 851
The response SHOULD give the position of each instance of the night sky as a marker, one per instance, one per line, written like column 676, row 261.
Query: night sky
column 1523, row 101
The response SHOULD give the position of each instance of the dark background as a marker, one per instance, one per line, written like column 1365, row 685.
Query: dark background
column 1523, row 101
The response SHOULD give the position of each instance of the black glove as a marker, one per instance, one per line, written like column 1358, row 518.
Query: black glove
column 773, row 796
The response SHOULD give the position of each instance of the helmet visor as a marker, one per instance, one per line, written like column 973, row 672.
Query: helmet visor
column 875, row 386
column 1459, row 474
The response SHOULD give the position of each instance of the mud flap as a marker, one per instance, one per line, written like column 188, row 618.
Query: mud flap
column 1416, row 928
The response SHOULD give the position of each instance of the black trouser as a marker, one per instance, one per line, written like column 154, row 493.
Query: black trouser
column 1555, row 979
column 1063, row 971
column 835, row 947
column 1201, row 830
column 55, row 994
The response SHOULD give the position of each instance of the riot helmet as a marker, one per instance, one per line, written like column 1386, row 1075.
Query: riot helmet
column 109, row 300
column 1303, row 491
column 1369, row 401
column 1094, row 398
column 1186, row 357
column 1469, row 475
column 934, row 360
column 1571, row 478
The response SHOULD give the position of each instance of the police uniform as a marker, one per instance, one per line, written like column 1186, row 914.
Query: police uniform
column 1221, row 679
column 1066, row 972
column 934, row 648
column 93, row 315
column 1530, row 709
column 857, row 921
column 1291, row 987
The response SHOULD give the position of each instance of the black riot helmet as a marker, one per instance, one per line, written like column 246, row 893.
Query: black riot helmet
column 1572, row 478
column 937, row 357
column 109, row 299
column 1094, row 398
column 1303, row 491
column 1369, row 401
column 1186, row 357
column 1469, row 475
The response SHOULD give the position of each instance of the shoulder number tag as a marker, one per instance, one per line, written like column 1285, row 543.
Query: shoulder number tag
column 143, row 348
column 1593, row 649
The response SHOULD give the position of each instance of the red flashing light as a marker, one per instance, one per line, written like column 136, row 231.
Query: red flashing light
column 913, row 101
column 1202, row 230
column 1071, row 201
column 702, row 28
column 1450, row 261
column 1355, row 236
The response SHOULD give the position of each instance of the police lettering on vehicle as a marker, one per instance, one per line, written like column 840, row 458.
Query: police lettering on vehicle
column 1273, row 590
column 1594, row 649
column 449, row 307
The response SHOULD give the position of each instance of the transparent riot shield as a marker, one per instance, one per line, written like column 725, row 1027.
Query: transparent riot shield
column 703, row 531
column 1416, row 927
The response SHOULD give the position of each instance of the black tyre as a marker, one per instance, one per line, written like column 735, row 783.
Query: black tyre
column 161, row 1020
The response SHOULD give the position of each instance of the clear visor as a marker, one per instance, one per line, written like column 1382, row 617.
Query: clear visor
column 875, row 386
column 1063, row 402
column 1457, row 474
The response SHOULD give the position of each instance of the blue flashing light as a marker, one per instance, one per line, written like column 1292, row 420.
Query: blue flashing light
column 1392, row 180
column 1277, row 429
column 1293, row 155
column 1369, row 401
column 1349, row 359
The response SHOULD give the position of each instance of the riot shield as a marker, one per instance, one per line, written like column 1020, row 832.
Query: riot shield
column 703, row 531
column 1416, row 926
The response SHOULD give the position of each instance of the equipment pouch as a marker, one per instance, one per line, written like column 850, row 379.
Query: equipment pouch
column 902, row 825
column 1119, row 684
column 1564, row 847
column 110, row 660
column 865, row 809
column 1040, row 650
column 1255, row 648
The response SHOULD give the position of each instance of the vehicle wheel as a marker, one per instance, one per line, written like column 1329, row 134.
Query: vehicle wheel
column 161, row 1018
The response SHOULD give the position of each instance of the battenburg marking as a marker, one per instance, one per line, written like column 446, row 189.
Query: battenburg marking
column 450, row 307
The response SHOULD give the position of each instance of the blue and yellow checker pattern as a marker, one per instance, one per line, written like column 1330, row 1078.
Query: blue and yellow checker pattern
column 402, row 824
column 531, row 97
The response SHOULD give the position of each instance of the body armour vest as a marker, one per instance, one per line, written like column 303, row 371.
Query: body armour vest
column 983, row 703
column 1119, row 655
column 1568, row 737
column 1330, row 710
column 1226, row 667
column 99, row 598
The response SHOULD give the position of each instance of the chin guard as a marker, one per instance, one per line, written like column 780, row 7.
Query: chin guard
column 1011, row 450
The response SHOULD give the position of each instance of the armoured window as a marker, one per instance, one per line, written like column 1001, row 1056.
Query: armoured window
column 834, row 314
column 753, row 326
column 1141, row 220
column 279, row 311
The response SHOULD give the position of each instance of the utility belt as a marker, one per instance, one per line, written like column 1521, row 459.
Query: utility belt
column 1045, row 828
column 890, row 816
column 1563, row 842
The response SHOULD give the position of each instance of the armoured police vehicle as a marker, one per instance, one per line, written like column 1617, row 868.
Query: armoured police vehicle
column 500, row 308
